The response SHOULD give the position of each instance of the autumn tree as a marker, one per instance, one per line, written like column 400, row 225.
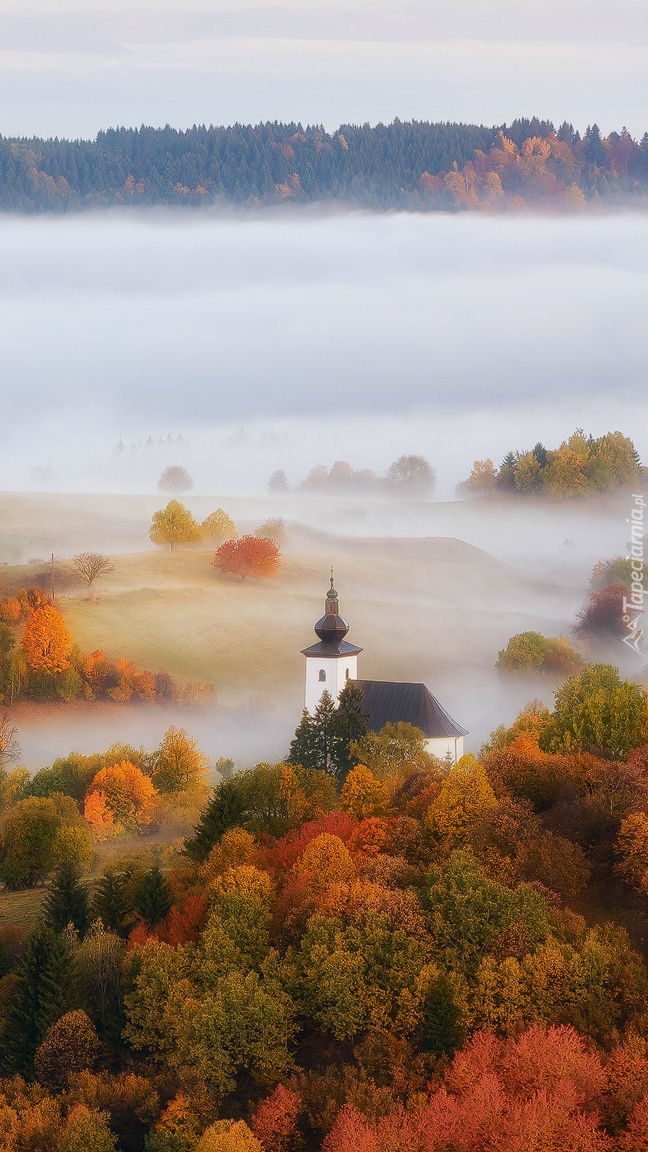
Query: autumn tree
column 46, row 642
column 29, row 846
column 178, row 764
column 272, row 529
column 70, row 1045
column 248, row 556
column 275, row 1121
column 603, row 615
column 363, row 795
column 597, row 709
column 218, row 527
column 175, row 479
column 9, row 746
column 91, row 566
column 119, row 798
column 97, row 966
column 483, row 477
column 174, row 525
column 533, row 652
column 465, row 795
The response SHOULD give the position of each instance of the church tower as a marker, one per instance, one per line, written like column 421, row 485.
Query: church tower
column 332, row 661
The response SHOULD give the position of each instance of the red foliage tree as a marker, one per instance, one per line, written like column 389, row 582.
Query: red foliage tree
column 602, row 616
column 182, row 925
column 275, row 1121
column 248, row 556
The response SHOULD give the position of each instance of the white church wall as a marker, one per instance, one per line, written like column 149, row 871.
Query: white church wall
column 442, row 745
column 337, row 670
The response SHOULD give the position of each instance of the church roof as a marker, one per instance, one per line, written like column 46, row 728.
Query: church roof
column 331, row 648
column 388, row 702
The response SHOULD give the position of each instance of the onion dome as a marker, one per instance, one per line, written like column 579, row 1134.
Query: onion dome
column 332, row 626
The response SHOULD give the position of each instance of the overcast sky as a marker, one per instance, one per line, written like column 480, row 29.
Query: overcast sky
column 70, row 67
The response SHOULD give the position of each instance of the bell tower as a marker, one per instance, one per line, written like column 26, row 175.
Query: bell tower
column 332, row 661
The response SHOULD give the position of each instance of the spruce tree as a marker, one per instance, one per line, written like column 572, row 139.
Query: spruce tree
column 225, row 810
column 314, row 742
column 350, row 723
column 442, row 1033
column 113, row 904
column 67, row 901
column 41, row 995
column 154, row 897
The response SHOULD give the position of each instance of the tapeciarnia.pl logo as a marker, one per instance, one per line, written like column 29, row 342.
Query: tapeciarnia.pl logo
column 633, row 606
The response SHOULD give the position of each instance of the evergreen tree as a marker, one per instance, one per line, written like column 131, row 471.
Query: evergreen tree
column 314, row 742
column 154, row 897
column 350, row 723
column 67, row 901
column 442, row 1033
column 224, row 811
column 113, row 905
column 41, row 995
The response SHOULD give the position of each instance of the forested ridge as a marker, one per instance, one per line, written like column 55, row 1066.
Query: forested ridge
column 414, row 165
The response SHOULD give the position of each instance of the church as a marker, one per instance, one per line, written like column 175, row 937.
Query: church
column 333, row 661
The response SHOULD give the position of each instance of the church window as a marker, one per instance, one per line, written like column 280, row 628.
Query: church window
column 322, row 675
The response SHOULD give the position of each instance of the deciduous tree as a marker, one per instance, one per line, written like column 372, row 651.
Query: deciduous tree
column 218, row 527
column 174, row 525
column 175, row 479
column 91, row 566
column 46, row 642
column 178, row 764
column 248, row 556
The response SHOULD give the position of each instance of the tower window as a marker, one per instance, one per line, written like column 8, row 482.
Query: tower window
column 322, row 675
column 347, row 674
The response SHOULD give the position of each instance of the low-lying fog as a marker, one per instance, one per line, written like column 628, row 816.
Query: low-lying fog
column 349, row 336
column 283, row 341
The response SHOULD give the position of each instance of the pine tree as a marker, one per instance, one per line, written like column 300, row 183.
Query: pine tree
column 41, row 995
column 442, row 1033
column 67, row 902
column 225, row 810
column 154, row 897
column 314, row 742
column 113, row 905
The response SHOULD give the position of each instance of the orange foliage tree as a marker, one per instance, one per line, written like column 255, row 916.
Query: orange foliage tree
column 248, row 556
column 120, row 799
column 47, row 642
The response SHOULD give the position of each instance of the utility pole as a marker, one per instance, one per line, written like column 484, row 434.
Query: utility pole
column 52, row 574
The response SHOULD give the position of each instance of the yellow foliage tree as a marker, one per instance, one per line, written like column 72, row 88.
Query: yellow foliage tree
column 120, row 799
column 465, row 796
column 174, row 525
column 236, row 847
column 483, row 477
column 229, row 1136
column 179, row 764
column 326, row 861
column 632, row 847
column 47, row 642
column 218, row 527
column 247, row 880
column 363, row 795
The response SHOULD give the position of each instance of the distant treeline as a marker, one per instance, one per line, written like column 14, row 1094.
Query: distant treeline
column 414, row 165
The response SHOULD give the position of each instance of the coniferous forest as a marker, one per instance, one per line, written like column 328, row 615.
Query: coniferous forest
column 415, row 166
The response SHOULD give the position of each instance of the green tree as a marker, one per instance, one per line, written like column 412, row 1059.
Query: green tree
column 154, row 897
column 224, row 811
column 28, row 848
column 322, row 741
column 86, row 1131
column 67, row 901
column 178, row 764
column 350, row 723
column 442, row 1032
column 597, row 709
column 174, row 525
column 69, row 775
column 397, row 749
column 42, row 993
column 112, row 903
